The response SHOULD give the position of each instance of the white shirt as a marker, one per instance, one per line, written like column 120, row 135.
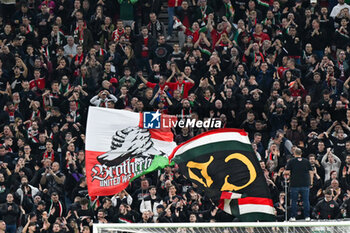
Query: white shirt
column 70, row 51
column 335, row 11
column 328, row 167
column 96, row 100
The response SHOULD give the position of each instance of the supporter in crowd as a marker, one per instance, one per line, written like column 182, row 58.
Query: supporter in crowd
column 301, row 179
column 278, row 69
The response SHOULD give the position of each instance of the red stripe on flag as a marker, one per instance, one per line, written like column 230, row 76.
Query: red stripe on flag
column 226, row 195
column 255, row 201
column 214, row 131
column 162, row 134
column 141, row 120
column 221, row 204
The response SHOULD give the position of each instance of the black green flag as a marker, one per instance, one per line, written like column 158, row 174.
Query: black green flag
column 223, row 164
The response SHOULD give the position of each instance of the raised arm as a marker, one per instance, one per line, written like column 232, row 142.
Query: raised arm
column 59, row 180
column 336, row 159
column 218, row 42
column 25, row 228
column 171, row 76
column 323, row 161
column 229, row 25
column 155, row 97
column 205, row 39
column 94, row 100
column 113, row 97
column 187, row 78
column 139, row 74
column 247, row 51
column 331, row 127
column 210, row 22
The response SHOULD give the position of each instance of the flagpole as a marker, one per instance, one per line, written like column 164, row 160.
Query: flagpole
column 285, row 199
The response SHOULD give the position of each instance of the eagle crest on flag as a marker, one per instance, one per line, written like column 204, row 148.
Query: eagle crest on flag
column 128, row 143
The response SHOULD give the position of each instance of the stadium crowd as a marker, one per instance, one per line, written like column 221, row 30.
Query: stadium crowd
column 278, row 69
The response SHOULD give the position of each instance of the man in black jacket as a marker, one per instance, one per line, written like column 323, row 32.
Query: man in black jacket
column 327, row 208
column 56, row 209
column 10, row 211
column 161, row 52
column 143, row 46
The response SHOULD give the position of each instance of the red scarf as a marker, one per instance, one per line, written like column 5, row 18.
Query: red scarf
column 11, row 113
column 49, row 155
column 16, row 106
column 116, row 34
column 80, row 32
column 34, row 139
column 180, row 87
column 261, row 55
column 183, row 112
column 255, row 21
column 35, row 114
column 60, row 208
column 103, row 103
column 29, row 28
column 341, row 68
column 101, row 52
column 80, row 59
column 126, row 101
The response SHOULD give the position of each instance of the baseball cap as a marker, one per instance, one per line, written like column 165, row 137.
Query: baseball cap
column 113, row 80
column 313, row 1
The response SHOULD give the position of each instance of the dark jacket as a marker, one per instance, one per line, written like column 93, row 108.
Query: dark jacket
column 326, row 210
column 9, row 215
column 138, row 45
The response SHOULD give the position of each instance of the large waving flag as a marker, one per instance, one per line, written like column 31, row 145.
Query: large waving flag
column 119, row 149
column 223, row 164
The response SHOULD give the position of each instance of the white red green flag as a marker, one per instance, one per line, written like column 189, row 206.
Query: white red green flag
column 119, row 149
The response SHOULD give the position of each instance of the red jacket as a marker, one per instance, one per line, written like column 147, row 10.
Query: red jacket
column 171, row 3
column 40, row 84
column 262, row 35
column 297, row 92
column 184, row 88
